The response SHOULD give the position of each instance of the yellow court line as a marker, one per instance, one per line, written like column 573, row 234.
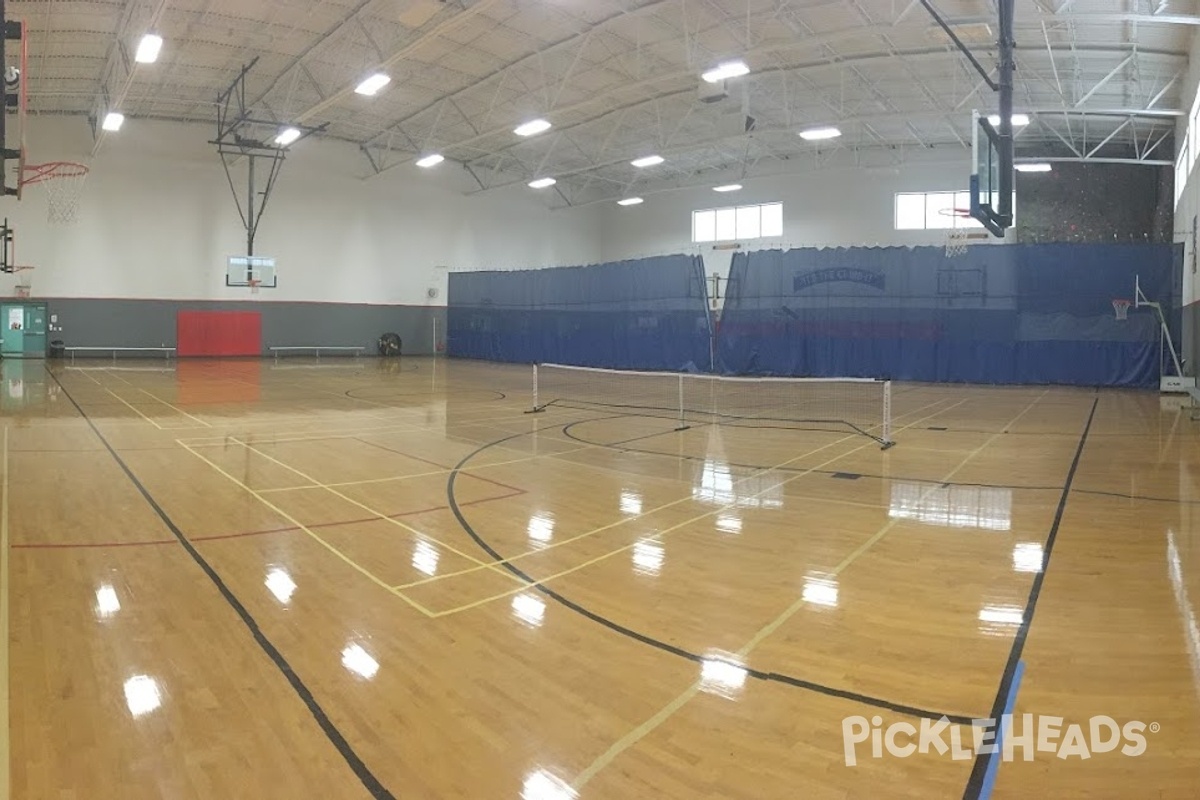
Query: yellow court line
column 645, row 728
column 5, row 773
column 174, row 408
column 716, row 511
column 382, row 517
column 337, row 433
column 443, row 471
column 373, row 578
column 633, row 518
column 131, row 408
column 133, row 385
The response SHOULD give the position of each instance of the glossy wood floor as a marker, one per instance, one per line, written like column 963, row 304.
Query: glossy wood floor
column 346, row 580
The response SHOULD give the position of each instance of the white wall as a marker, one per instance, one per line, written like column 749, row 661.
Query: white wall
column 833, row 207
column 158, row 220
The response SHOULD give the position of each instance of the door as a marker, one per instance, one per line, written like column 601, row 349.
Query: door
column 24, row 333
column 35, row 330
column 13, row 318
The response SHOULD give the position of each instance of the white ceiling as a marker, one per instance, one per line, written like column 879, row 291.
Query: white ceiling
column 620, row 78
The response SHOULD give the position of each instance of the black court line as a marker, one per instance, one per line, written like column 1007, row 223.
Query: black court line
column 368, row 779
column 619, row 446
column 658, row 644
column 458, row 394
column 975, row 784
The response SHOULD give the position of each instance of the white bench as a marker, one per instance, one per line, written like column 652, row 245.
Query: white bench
column 316, row 349
column 166, row 351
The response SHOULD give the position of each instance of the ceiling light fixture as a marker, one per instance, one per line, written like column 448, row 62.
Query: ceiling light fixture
column 820, row 134
column 287, row 136
column 532, row 128
column 542, row 183
column 732, row 187
column 113, row 121
column 631, row 201
column 1018, row 120
column 727, row 69
column 148, row 49
column 1038, row 167
column 648, row 161
column 370, row 86
column 431, row 160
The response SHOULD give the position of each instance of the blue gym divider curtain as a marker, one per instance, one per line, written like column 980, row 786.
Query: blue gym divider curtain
column 1005, row 314
column 649, row 314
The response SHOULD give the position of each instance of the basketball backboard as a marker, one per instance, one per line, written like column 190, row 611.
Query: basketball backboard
column 14, row 56
column 252, row 271
column 991, row 177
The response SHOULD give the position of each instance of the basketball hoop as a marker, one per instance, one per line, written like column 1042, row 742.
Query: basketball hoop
column 254, row 284
column 64, row 186
column 1121, row 309
column 22, row 291
column 957, row 238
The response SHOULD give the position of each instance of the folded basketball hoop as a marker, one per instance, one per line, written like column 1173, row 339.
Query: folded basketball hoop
column 64, row 185
column 1121, row 308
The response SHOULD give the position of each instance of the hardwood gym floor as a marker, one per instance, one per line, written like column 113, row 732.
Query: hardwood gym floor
column 238, row 579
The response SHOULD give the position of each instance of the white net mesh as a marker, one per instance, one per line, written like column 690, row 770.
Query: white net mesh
column 845, row 405
column 956, row 242
column 63, row 181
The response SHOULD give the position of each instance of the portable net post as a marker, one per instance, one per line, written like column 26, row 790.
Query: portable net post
column 537, row 409
column 683, row 426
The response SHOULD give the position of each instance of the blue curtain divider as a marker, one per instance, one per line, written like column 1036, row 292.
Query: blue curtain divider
column 649, row 314
column 1009, row 314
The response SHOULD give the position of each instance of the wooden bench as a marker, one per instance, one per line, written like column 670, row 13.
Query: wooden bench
column 166, row 351
column 316, row 349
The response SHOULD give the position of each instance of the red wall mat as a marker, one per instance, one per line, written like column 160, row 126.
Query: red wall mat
column 219, row 333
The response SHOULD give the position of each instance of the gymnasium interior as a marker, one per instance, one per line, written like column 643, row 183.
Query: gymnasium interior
column 599, row 399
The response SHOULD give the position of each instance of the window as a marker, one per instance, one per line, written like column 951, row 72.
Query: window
column 934, row 211
column 737, row 224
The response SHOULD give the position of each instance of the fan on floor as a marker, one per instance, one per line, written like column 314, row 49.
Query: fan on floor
column 389, row 344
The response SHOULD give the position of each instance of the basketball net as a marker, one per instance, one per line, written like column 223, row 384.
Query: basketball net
column 64, row 185
column 24, row 286
column 254, row 283
column 1121, row 307
column 956, row 242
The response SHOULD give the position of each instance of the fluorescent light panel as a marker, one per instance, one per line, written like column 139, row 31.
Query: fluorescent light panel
column 373, row 84
column 148, row 49
column 532, row 128
column 732, row 187
column 648, row 161
column 1018, row 120
column 1040, row 167
column 113, row 121
column 431, row 160
column 287, row 136
column 631, row 201
column 727, row 69
column 542, row 183
column 819, row 134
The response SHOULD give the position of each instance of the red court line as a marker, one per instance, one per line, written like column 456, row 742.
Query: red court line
column 243, row 535
column 71, row 545
column 440, row 466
